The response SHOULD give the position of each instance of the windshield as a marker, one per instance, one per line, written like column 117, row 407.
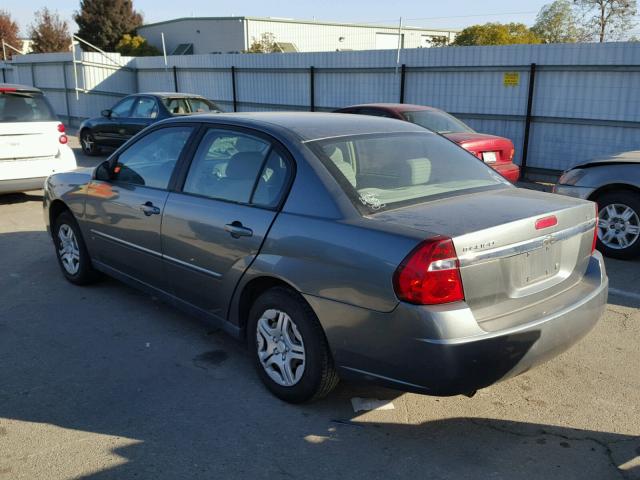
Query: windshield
column 437, row 121
column 186, row 106
column 383, row 171
column 25, row 107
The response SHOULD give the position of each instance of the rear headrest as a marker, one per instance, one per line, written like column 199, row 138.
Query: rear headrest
column 416, row 171
column 244, row 165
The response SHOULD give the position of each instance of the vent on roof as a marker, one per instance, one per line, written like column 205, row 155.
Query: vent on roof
column 183, row 49
column 286, row 47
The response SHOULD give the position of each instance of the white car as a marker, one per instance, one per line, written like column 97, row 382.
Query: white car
column 33, row 143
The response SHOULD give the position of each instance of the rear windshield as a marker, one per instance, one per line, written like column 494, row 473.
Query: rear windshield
column 25, row 107
column 437, row 121
column 186, row 106
column 384, row 171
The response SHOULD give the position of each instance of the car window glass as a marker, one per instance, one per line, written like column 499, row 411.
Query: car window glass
column 226, row 166
column 123, row 108
column 25, row 107
column 272, row 181
column 150, row 161
column 437, row 121
column 145, row 107
column 176, row 106
column 200, row 105
column 374, row 112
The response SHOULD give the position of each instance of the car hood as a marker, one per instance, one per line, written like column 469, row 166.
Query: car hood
column 621, row 158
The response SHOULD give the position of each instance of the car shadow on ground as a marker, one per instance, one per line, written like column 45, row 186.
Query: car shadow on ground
column 11, row 198
column 121, row 385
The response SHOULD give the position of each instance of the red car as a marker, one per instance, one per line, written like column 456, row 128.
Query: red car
column 495, row 151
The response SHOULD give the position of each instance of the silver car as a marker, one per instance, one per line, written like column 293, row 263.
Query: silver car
column 337, row 246
column 614, row 183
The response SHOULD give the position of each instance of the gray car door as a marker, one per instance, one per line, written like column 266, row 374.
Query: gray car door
column 123, row 213
column 213, row 228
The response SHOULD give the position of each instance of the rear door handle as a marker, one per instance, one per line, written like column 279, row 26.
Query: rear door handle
column 149, row 209
column 237, row 230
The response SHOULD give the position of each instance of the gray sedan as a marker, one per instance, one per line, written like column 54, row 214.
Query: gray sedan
column 337, row 246
column 614, row 183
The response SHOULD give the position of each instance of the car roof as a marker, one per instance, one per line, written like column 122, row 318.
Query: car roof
column 19, row 88
column 169, row 94
column 309, row 126
column 398, row 107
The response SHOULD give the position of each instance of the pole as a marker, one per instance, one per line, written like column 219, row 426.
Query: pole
column 175, row 78
column 312, row 86
column 403, row 75
column 66, row 94
column 399, row 44
column 4, row 51
column 528, row 119
column 233, row 88
column 164, row 50
column 75, row 70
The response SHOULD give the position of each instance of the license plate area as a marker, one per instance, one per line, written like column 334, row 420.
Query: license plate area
column 489, row 157
column 537, row 265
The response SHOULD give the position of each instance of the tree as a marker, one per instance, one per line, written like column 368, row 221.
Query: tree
column 9, row 32
column 607, row 19
column 496, row 34
column 136, row 46
column 557, row 23
column 266, row 44
column 104, row 22
column 49, row 33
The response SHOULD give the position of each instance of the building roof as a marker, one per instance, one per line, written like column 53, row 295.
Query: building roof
column 306, row 22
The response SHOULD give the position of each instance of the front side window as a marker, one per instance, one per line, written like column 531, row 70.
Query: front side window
column 122, row 109
column 150, row 161
column 437, row 121
column 25, row 107
column 237, row 167
column 386, row 171
column 145, row 107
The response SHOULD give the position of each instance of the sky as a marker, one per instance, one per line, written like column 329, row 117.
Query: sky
column 427, row 13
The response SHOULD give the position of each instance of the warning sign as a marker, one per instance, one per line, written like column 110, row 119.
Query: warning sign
column 511, row 79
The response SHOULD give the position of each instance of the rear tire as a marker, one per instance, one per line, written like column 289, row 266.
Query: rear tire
column 71, row 251
column 88, row 143
column 289, row 347
column 619, row 224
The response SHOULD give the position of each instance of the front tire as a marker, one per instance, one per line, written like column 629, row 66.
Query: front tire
column 289, row 348
column 71, row 251
column 88, row 143
column 619, row 224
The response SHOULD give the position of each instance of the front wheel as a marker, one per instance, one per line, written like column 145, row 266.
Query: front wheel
column 71, row 251
column 289, row 347
column 619, row 224
column 88, row 143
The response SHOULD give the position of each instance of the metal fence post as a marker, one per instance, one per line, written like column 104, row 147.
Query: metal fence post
column 175, row 78
column 403, row 75
column 4, row 77
column 312, row 86
column 527, row 122
column 66, row 93
column 233, row 89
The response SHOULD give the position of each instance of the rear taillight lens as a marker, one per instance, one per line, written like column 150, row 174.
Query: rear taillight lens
column 61, row 128
column 63, row 139
column 595, row 233
column 511, row 153
column 430, row 274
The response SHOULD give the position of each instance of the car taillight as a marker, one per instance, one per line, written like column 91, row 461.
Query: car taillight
column 511, row 153
column 63, row 139
column 595, row 233
column 430, row 274
column 61, row 128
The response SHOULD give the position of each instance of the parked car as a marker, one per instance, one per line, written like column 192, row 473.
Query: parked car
column 33, row 143
column 614, row 183
column 135, row 112
column 496, row 152
column 337, row 246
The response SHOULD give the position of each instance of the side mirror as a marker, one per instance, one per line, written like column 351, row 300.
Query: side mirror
column 104, row 172
column 106, row 113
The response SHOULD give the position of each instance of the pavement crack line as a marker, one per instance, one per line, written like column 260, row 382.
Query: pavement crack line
column 606, row 446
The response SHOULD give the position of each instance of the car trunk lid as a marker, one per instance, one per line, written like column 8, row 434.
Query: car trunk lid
column 507, row 264
column 489, row 148
column 24, row 140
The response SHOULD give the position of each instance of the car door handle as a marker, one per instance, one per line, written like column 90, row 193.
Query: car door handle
column 149, row 209
column 237, row 230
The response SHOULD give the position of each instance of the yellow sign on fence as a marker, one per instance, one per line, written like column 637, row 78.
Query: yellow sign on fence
column 511, row 79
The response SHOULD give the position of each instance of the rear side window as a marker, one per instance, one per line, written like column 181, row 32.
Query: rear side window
column 237, row 167
column 25, row 107
column 150, row 161
column 185, row 106
column 379, row 172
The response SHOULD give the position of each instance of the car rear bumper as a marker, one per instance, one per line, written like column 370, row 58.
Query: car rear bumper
column 22, row 184
column 443, row 351
column 510, row 171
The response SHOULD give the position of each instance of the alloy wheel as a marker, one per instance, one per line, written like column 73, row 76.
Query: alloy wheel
column 68, row 250
column 618, row 226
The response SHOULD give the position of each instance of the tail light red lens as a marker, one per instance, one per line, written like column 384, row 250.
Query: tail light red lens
column 595, row 233
column 430, row 274
column 61, row 128
column 63, row 139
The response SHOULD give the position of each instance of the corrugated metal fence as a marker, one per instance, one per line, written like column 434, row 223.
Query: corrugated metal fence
column 574, row 102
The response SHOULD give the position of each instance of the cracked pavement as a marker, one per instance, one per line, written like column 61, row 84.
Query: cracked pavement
column 105, row 382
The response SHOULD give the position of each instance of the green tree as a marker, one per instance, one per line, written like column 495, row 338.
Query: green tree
column 49, row 33
column 136, row 46
column 9, row 32
column 557, row 23
column 496, row 34
column 104, row 22
column 607, row 19
column 266, row 44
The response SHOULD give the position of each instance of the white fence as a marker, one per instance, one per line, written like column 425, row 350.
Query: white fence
column 583, row 101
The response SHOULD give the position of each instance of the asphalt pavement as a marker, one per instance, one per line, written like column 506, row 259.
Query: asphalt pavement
column 104, row 382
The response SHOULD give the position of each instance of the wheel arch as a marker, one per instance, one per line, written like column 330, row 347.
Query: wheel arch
column 56, row 208
column 613, row 187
